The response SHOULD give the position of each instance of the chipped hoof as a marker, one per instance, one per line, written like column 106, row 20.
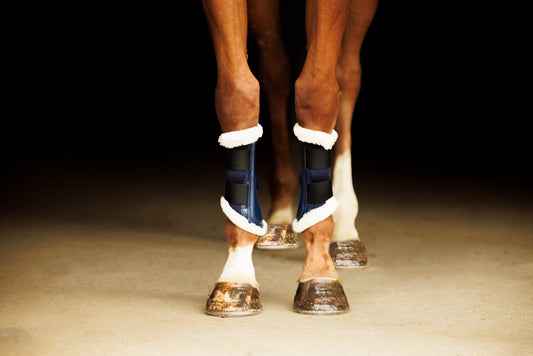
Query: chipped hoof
column 348, row 254
column 278, row 237
column 320, row 297
column 233, row 300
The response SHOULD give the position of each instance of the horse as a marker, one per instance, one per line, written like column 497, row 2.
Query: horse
column 325, row 94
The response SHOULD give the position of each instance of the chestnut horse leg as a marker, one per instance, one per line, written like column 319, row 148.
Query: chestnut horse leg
column 317, row 107
column 346, row 250
column 274, row 76
column 237, row 106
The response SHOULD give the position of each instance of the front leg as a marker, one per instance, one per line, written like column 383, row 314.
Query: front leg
column 236, row 292
column 320, row 289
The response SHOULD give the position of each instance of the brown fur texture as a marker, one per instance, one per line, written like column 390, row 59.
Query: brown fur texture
column 318, row 263
column 237, row 236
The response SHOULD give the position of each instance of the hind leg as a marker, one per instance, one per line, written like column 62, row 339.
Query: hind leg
column 274, row 75
column 346, row 248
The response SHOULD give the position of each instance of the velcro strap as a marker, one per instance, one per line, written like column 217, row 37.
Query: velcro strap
column 236, row 193
column 319, row 192
column 317, row 158
column 237, row 159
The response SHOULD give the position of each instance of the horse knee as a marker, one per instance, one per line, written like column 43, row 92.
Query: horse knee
column 237, row 102
column 317, row 102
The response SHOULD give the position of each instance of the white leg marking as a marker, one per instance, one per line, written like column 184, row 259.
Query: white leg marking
column 239, row 266
column 344, row 216
column 282, row 216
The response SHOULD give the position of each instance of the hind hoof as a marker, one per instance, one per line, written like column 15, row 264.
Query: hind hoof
column 278, row 237
column 348, row 254
column 320, row 297
column 233, row 300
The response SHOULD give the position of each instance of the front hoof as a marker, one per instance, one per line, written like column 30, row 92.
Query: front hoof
column 231, row 299
column 320, row 297
column 278, row 237
column 348, row 254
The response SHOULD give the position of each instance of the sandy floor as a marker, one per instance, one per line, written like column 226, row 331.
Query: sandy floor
column 120, row 260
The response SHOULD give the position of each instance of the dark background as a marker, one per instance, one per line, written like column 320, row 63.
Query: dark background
column 138, row 80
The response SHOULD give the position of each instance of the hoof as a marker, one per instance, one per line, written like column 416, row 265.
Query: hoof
column 278, row 237
column 320, row 297
column 348, row 254
column 233, row 300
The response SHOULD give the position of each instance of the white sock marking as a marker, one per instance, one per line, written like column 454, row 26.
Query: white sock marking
column 344, row 216
column 239, row 266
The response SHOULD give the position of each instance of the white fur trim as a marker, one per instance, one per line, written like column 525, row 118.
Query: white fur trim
column 282, row 216
column 241, row 221
column 315, row 137
column 314, row 216
column 241, row 137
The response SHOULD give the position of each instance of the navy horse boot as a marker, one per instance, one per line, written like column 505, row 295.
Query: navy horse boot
column 240, row 202
column 316, row 196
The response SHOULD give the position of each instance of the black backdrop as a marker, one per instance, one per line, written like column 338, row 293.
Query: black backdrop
column 139, row 79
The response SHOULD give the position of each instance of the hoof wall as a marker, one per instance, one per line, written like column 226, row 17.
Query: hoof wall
column 320, row 297
column 348, row 254
column 278, row 237
column 233, row 300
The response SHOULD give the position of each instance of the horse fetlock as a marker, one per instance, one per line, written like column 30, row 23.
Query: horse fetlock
column 318, row 263
column 239, row 267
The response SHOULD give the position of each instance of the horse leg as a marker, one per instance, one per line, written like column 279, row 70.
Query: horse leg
column 320, row 290
column 274, row 75
column 346, row 250
column 237, row 105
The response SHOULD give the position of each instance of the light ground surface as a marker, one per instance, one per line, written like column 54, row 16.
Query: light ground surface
column 119, row 261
